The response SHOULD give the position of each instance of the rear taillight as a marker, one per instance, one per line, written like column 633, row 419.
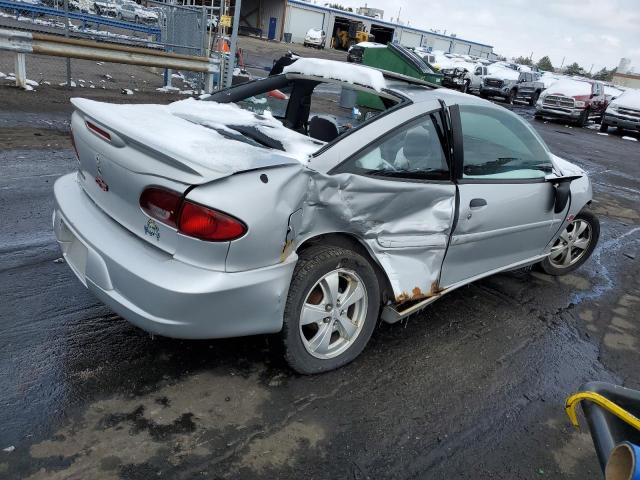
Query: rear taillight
column 207, row 224
column 99, row 131
column 161, row 204
column 189, row 218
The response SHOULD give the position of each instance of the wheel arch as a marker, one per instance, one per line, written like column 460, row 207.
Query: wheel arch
column 353, row 243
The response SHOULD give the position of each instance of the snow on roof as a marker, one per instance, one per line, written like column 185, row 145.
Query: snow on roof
column 613, row 91
column 569, row 87
column 371, row 45
column 500, row 71
column 341, row 71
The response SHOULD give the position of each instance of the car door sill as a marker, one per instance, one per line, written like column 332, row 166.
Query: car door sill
column 391, row 314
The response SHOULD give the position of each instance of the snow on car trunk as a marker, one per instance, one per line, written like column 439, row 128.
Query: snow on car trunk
column 124, row 150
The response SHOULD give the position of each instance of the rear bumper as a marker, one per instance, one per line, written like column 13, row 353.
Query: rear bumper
column 622, row 121
column 155, row 292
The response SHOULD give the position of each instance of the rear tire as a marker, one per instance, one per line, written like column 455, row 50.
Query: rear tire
column 567, row 253
column 324, row 277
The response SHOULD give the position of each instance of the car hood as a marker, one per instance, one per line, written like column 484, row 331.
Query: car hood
column 629, row 99
column 567, row 168
column 200, row 137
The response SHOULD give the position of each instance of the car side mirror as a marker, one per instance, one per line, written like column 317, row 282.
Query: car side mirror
column 562, row 191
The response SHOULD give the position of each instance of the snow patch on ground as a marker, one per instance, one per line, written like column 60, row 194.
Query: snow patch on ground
column 341, row 71
column 630, row 138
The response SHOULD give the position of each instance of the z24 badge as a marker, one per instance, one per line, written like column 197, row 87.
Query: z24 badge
column 151, row 229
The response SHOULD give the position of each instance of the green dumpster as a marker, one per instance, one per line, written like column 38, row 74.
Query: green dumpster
column 398, row 59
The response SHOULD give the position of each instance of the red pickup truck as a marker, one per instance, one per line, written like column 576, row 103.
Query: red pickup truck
column 577, row 100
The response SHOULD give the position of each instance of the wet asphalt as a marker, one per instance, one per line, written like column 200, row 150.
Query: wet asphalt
column 472, row 387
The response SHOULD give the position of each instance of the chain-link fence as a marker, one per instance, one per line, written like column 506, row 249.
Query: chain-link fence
column 156, row 25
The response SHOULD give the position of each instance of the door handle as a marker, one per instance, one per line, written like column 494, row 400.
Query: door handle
column 477, row 203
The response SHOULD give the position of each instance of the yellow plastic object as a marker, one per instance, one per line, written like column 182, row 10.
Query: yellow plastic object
column 573, row 401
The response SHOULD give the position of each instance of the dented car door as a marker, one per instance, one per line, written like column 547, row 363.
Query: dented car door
column 396, row 194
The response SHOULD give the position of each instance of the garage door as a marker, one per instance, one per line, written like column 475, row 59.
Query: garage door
column 299, row 21
column 477, row 51
column 411, row 39
column 461, row 48
column 441, row 44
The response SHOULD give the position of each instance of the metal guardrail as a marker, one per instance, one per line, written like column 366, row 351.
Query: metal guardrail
column 23, row 43
column 83, row 17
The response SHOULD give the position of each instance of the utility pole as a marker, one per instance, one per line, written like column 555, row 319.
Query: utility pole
column 234, row 42
column 66, row 34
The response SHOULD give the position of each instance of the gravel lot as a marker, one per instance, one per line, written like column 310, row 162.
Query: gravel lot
column 473, row 387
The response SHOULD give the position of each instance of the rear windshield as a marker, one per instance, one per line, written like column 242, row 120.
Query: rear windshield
column 320, row 111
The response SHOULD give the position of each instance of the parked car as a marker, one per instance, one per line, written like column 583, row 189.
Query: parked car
column 474, row 78
column 105, row 7
column 210, row 218
column 529, row 87
column 500, row 81
column 84, row 6
column 570, row 99
column 455, row 78
column 611, row 92
column 315, row 38
column 133, row 12
column 623, row 112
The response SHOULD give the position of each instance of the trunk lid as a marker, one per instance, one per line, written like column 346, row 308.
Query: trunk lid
column 124, row 149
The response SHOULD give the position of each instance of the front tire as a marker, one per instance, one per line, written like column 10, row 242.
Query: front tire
column 332, row 308
column 574, row 245
column 584, row 118
column 534, row 98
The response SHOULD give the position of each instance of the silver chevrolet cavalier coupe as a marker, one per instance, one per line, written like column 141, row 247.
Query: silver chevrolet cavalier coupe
column 264, row 208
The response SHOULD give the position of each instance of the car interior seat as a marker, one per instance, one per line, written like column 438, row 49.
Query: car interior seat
column 421, row 151
column 323, row 128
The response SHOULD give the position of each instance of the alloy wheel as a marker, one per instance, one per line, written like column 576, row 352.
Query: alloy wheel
column 572, row 244
column 333, row 313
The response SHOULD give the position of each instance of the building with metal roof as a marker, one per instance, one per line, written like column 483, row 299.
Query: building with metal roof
column 275, row 18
